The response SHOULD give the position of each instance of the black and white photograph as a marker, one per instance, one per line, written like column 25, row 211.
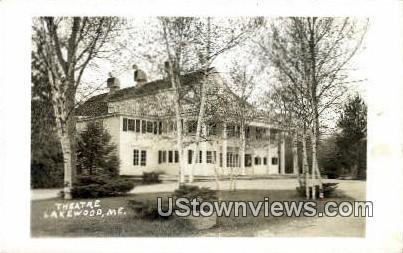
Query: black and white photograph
column 197, row 126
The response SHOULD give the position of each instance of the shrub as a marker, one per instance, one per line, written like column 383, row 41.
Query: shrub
column 148, row 209
column 151, row 178
column 202, row 194
column 100, row 186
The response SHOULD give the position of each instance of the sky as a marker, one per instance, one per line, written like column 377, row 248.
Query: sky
column 140, row 49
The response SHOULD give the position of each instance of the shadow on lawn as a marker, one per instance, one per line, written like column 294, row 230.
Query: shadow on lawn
column 129, row 226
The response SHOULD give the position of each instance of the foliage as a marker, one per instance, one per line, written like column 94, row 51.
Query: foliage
column 351, row 141
column 46, row 154
column 100, row 186
column 96, row 154
column 148, row 209
column 195, row 192
column 151, row 177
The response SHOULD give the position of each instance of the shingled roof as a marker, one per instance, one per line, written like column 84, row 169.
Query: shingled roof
column 98, row 105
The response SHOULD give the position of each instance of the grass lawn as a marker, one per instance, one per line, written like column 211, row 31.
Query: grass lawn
column 130, row 226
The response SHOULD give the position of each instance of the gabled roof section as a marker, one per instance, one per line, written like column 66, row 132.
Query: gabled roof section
column 98, row 105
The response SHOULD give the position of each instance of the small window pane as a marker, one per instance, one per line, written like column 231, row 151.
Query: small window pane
column 138, row 126
column 170, row 156
column 124, row 124
column 176, row 156
column 143, row 157
column 135, row 157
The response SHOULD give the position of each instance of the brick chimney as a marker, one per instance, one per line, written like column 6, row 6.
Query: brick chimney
column 113, row 84
column 139, row 75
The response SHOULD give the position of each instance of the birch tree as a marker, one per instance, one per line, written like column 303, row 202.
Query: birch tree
column 313, row 53
column 67, row 46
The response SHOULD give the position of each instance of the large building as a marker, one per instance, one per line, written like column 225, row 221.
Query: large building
column 141, row 122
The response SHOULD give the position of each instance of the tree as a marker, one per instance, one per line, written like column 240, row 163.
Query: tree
column 46, row 155
column 194, row 43
column 67, row 46
column 351, row 141
column 312, row 54
column 96, row 154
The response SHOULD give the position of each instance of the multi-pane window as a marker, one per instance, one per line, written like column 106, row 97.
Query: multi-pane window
column 143, row 126
column 155, row 127
column 139, row 157
column 124, row 124
column 170, row 156
column 143, row 158
column 190, row 155
column 164, row 156
column 232, row 159
column 192, row 126
column 260, row 133
column 176, row 156
column 264, row 160
column 149, row 127
column 274, row 160
column 212, row 128
column 136, row 157
column 220, row 159
column 138, row 126
column 248, row 160
column 131, row 123
column 247, row 132
column 258, row 160
column 233, row 131
column 160, row 127
column 159, row 156
column 200, row 158
column 209, row 157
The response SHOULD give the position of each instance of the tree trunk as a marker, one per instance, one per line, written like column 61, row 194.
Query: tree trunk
column 315, row 166
column 305, row 165
column 242, row 149
column 295, row 157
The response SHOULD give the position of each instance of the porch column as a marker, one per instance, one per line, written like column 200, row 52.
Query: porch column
column 224, row 147
column 295, row 167
column 282, row 152
column 268, row 152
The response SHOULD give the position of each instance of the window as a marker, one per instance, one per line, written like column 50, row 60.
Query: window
column 160, row 127
column 220, row 159
column 260, row 133
column 149, row 127
column 170, row 156
column 248, row 160
column 264, row 160
column 247, row 132
column 155, row 127
column 176, row 156
column 138, row 126
column 232, row 159
column 159, row 156
column 131, row 123
column 190, row 154
column 212, row 128
column 143, row 126
column 192, row 126
column 274, row 160
column 209, row 157
column 143, row 158
column 136, row 157
column 258, row 160
column 200, row 156
column 164, row 156
column 124, row 124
